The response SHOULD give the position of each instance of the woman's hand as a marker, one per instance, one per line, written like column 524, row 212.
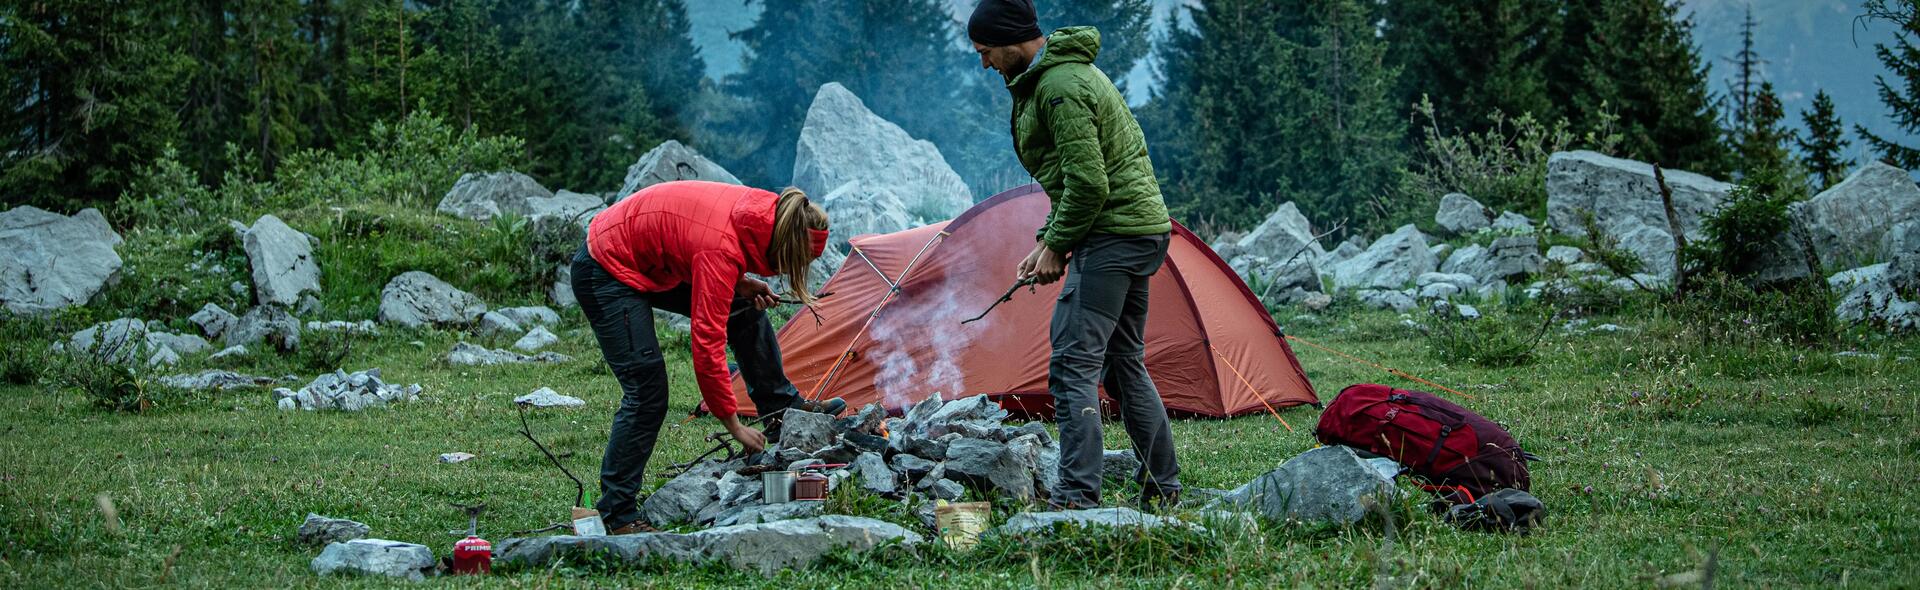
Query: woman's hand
column 757, row 290
column 751, row 440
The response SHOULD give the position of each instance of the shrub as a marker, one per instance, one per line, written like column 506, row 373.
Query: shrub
column 109, row 385
column 1493, row 341
column 324, row 352
column 1722, row 308
column 1739, row 232
column 1504, row 167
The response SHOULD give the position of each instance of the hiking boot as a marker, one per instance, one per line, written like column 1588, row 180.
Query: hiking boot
column 1057, row 506
column 830, row 407
column 633, row 528
column 1156, row 502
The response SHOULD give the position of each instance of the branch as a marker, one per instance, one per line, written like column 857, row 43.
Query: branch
column 580, row 489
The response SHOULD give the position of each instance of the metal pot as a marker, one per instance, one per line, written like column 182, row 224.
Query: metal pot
column 777, row 486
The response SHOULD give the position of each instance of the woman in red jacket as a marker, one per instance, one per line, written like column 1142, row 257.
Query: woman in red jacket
column 685, row 247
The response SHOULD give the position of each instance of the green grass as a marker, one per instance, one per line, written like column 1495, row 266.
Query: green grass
column 1663, row 445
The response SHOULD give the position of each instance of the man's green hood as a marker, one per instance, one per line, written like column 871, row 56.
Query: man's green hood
column 1066, row 45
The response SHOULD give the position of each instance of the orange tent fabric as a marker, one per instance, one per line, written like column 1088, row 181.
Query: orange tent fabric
column 890, row 331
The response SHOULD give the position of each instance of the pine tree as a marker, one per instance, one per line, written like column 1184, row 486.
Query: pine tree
column 1824, row 143
column 1275, row 100
column 1472, row 58
column 1762, row 147
column 1123, row 24
column 92, row 88
column 1637, row 60
column 1903, row 58
column 271, row 58
column 898, row 56
column 1746, row 67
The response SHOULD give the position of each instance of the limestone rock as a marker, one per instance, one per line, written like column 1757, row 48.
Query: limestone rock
column 1398, row 301
column 546, row 397
column 841, row 141
column 493, row 324
column 806, row 431
column 565, row 205
column 1459, row 214
column 416, row 299
column 1511, row 222
column 766, row 548
column 668, row 162
column 282, row 262
column 1391, row 262
column 1325, row 484
column 340, row 390
column 859, row 208
column 1852, row 220
column 375, row 557
column 530, row 316
column 265, row 323
column 988, row 465
column 471, row 355
column 1040, row 522
column 1565, row 254
column 215, row 380
column 537, row 338
column 484, row 196
column 319, row 530
column 1622, row 192
column 54, row 261
column 213, row 320
column 1283, row 233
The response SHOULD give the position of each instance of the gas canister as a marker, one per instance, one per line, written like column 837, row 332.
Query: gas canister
column 473, row 555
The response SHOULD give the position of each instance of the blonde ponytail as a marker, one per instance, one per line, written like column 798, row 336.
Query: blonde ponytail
column 791, row 250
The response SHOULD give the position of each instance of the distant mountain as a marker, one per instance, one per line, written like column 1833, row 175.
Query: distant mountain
column 1808, row 44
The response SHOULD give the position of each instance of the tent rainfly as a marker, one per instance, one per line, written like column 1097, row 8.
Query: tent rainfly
column 890, row 329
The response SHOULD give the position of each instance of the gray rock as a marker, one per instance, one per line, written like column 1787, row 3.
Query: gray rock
column 1851, row 221
column 1117, row 518
column 484, row 196
column 766, row 548
column 1461, row 280
column 911, row 467
column 1343, row 252
column 680, row 500
column 1119, row 465
column 566, row 206
column 359, row 328
column 1325, row 484
column 1509, row 257
column 1622, row 193
column 456, row 457
column 989, row 465
column 266, row 323
column 562, row 290
column 971, row 408
column 126, row 340
column 528, row 317
column 1459, row 214
column 1282, row 234
column 282, row 262
column 806, row 431
column 1439, row 251
column 1885, row 294
column 947, row 489
column 1467, row 312
column 416, row 299
column 1565, row 254
column 1391, row 262
column 763, row 513
column 841, row 141
column 213, row 320
column 471, row 355
column 375, row 557
column 875, row 477
column 1398, row 301
column 1438, row 291
column 536, row 339
column 859, row 208
column 670, row 161
column 215, row 380
column 165, row 357
column 492, row 324
column 546, row 397
column 54, row 261
column 1513, row 223
column 229, row 352
column 340, row 390
column 319, row 530
column 1901, row 238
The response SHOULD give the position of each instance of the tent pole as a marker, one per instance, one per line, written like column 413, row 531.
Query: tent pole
column 892, row 290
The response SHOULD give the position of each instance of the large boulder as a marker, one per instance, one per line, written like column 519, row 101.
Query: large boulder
column 565, row 205
column 1325, row 484
column 1391, row 262
column 1506, row 258
column 1459, row 214
column 416, row 299
column 1282, row 234
column 1885, row 294
column 484, row 196
column 1851, row 221
column 282, row 261
column 53, row 261
column 1623, row 192
column 842, row 141
column 668, row 162
column 858, row 208
column 1113, row 518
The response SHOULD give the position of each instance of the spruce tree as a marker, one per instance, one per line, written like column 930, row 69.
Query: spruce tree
column 92, row 88
column 1270, row 101
column 1472, row 58
column 1636, row 59
column 1762, row 147
column 1824, row 143
column 265, row 32
column 1902, row 57
column 1123, row 24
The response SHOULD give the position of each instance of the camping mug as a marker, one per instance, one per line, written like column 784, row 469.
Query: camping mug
column 777, row 486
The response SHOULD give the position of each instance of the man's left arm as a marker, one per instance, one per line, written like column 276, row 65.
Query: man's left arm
column 1077, row 140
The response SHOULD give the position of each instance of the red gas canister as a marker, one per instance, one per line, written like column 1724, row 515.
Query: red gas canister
column 473, row 555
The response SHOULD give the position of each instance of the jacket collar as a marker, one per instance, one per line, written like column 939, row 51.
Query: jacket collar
column 1066, row 45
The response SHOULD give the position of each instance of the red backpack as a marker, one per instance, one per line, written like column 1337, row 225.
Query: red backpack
column 1438, row 441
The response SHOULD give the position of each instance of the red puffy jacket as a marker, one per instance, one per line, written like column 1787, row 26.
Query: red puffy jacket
column 703, row 234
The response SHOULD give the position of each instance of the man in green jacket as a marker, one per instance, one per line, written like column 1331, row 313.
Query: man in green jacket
column 1108, row 225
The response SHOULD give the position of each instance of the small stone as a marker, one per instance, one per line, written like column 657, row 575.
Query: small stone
column 1119, row 466
column 528, row 317
column 1565, row 254
column 320, row 530
column 913, row 468
column 375, row 557
column 229, row 352
column 163, row 357
column 455, row 457
column 494, row 324
column 546, row 397
column 1323, row 484
column 536, row 339
column 213, row 320
column 1031, row 522
column 947, row 489
column 875, row 477
column 806, row 431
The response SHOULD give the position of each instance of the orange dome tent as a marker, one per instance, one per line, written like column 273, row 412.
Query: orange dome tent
column 890, row 329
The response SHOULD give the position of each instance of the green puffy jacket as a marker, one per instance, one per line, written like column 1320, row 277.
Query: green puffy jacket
column 1074, row 134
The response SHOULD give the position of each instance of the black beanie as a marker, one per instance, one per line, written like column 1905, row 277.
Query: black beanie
column 999, row 23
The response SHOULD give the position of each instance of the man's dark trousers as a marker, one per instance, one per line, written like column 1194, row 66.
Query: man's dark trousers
column 622, row 320
column 1099, row 329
